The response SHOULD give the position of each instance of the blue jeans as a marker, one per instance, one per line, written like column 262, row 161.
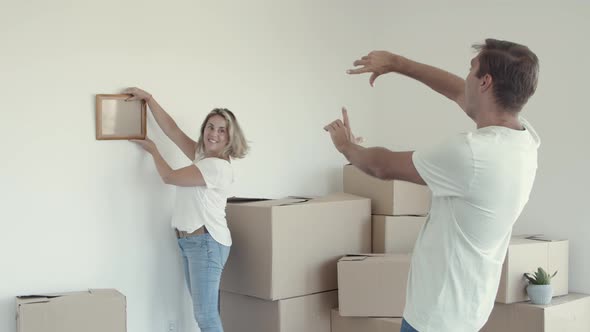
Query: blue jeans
column 203, row 259
column 406, row 327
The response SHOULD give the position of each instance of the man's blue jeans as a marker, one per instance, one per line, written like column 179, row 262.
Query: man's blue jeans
column 406, row 327
column 203, row 259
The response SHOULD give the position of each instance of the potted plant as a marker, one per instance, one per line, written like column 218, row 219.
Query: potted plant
column 539, row 289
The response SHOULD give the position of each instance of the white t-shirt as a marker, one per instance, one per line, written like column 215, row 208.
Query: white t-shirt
column 205, row 205
column 480, row 182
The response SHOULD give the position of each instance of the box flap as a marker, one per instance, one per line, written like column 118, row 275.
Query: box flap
column 40, row 297
column 293, row 200
column 266, row 202
column 537, row 237
column 21, row 300
column 245, row 199
column 361, row 257
column 350, row 258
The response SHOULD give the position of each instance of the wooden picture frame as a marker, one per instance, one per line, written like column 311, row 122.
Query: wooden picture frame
column 118, row 119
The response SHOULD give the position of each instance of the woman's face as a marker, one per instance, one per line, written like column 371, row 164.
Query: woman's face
column 215, row 135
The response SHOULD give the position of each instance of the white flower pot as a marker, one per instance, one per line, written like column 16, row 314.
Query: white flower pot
column 540, row 294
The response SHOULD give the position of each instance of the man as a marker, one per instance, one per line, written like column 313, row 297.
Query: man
column 480, row 182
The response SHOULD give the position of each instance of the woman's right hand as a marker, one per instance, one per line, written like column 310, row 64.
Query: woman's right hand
column 137, row 94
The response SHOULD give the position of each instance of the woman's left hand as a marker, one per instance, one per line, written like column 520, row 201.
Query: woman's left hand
column 146, row 143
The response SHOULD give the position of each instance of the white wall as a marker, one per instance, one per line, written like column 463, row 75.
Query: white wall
column 77, row 213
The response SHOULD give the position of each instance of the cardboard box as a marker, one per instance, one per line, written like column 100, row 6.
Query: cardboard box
column 95, row 310
column 525, row 256
column 373, row 285
column 288, row 248
column 310, row 313
column 364, row 324
column 391, row 198
column 569, row 313
column 396, row 234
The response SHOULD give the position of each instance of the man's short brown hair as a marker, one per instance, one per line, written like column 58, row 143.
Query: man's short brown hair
column 514, row 69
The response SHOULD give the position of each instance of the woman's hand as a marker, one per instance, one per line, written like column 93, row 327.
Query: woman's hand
column 137, row 94
column 147, row 144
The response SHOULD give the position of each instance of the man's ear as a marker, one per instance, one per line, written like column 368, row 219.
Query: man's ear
column 485, row 82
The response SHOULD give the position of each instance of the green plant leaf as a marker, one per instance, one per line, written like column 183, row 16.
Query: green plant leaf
column 530, row 278
column 539, row 277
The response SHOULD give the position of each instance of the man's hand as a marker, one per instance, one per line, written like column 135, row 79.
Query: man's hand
column 341, row 134
column 378, row 63
column 147, row 144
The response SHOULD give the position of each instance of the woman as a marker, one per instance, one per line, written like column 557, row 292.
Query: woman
column 202, row 190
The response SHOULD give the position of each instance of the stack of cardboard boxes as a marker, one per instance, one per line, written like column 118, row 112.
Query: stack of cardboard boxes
column 372, row 287
column 281, row 273
column 340, row 263
column 513, row 310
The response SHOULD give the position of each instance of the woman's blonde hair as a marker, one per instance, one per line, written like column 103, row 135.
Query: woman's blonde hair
column 236, row 147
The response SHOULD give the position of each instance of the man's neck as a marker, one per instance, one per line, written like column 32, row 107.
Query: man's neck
column 493, row 116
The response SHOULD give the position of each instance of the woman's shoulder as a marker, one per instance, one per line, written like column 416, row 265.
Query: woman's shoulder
column 218, row 162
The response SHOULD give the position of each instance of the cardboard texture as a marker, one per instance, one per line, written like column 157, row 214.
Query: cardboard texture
column 373, row 285
column 569, row 313
column 525, row 256
column 288, row 248
column 396, row 234
column 310, row 313
column 95, row 310
column 391, row 198
column 364, row 324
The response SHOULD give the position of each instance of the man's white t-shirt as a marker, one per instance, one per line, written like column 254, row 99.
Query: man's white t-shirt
column 480, row 183
column 205, row 205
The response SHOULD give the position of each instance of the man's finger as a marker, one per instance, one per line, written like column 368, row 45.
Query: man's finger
column 373, row 78
column 361, row 62
column 345, row 117
column 358, row 71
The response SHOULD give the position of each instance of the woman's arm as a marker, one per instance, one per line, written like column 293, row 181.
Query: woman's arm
column 166, row 123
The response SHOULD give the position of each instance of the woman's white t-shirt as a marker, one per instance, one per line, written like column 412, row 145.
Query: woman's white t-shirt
column 205, row 205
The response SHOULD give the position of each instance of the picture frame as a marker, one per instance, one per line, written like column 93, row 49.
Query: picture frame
column 119, row 119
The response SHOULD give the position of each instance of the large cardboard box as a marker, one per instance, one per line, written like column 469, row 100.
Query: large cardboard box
column 393, row 198
column 364, row 324
column 396, row 234
column 569, row 313
column 309, row 313
column 288, row 248
column 95, row 310
column 373, row 285
column 525, row 256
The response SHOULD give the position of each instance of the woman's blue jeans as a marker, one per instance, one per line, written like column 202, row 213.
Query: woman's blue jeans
column 203, row 259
